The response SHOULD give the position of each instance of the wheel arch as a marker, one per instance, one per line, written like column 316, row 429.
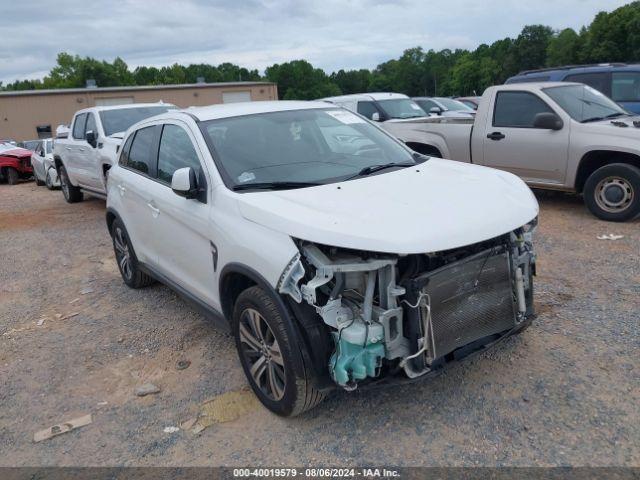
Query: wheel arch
column 111, row 215
column 237, row 277
column 595, row 159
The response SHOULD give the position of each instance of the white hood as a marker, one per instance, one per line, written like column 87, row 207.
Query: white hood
column 435, row 206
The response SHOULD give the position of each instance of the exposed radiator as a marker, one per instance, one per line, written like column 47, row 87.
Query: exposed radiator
column 470, row 299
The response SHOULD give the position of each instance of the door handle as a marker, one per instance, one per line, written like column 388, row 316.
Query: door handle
column 67, row 148
column 122, row 189
column 154, row 210
column 81, row 149
column 496, row 136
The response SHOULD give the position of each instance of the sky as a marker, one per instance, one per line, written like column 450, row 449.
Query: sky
column 331, row 34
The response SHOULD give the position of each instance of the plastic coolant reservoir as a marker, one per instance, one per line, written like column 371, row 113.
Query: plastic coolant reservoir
column 355, row 358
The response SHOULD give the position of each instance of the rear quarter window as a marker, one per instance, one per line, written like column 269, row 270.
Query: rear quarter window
column 78, row 126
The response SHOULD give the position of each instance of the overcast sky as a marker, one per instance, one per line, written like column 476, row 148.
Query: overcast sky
column 331, row 34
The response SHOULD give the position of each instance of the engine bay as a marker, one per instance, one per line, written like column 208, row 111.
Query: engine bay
column 390, row 314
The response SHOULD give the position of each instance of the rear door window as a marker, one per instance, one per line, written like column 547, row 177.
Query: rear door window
column 625, row 87
column 599, row 81
column 78, row 126
column 139, row 155
column 518, row 109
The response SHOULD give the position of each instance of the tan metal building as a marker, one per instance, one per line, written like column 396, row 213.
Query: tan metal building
column 31, row 114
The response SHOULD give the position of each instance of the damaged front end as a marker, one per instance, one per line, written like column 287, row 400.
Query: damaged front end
column 411, row 314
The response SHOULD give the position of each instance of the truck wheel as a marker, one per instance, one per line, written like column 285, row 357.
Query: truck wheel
column 71, row 194
column 267, row 355
column 612, row 192
column 12, row 176
column 126, row 258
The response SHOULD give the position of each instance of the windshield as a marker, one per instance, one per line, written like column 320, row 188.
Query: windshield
column 451, row 104
column 401, row 108
column 584, row 103
column 306, row 146
column 119, row 120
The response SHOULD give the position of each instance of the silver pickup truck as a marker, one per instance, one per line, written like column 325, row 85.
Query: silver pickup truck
column 559, row 136
column 86, row 154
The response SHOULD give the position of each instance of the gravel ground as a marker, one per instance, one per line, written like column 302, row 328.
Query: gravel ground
column 566, row 392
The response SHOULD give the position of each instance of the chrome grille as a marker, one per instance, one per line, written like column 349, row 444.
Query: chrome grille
column 469, row 299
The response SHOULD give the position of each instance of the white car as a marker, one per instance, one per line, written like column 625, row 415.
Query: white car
column 44, row 168
column 336, row 255
column 380, row 106
column 445, row 107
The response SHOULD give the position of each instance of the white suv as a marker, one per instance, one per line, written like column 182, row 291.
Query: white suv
column 335, row 255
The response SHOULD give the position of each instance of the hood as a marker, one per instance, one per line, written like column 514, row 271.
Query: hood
column 8, row 150
column 625, row 127
column 435, row 206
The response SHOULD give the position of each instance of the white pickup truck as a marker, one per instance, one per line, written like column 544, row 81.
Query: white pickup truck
column 559, row 136
column 86, row 154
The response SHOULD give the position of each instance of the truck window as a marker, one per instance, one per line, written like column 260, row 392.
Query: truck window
column 367, row 109
column 91, row 124
column 518, row 109
column 78, row 126
column 139, row 156
column 625, row 87
column 599, row 81
column 176, row 151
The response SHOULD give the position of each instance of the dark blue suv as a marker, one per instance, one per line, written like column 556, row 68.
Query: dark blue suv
column 619, row 81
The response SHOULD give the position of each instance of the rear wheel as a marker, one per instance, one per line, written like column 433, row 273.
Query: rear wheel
column 612, row 192
column 267, row 355
column 39, row 182
column 48, row 181
column 71, row 194
column 126, row 258
column 12, row 176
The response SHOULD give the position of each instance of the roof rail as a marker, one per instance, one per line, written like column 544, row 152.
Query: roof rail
column 569, row 67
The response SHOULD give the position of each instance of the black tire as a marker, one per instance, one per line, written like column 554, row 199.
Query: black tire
column 126, row 258
column 71, row 194
column 612, row 192
column 39, row 182
column 12, row 176
column 48, row 182
column 293, row 393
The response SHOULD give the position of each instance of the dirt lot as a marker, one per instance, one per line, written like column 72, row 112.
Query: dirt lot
column 566, row 392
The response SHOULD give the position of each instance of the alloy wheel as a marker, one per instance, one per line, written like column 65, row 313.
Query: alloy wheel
column 262, row 353
column 123, row 256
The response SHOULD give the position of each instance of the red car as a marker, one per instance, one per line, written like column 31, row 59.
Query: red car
column 15, row 163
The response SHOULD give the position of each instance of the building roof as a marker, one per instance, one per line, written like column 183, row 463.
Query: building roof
column 130, row 88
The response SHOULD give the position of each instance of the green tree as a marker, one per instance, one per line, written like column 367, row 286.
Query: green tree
column 564, row 48
column 299, row 80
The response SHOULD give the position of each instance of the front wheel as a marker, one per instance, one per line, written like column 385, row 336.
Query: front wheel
column 12, row 176
column 71, row 194
column 612, row 192
column 268, row 356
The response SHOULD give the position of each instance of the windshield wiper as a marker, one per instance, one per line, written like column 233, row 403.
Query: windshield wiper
column 274, row 185
column 606, row 117
column 376, row 168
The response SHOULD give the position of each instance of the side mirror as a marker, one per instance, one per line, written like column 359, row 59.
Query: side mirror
column 436, row 110
column 375, row 116
column 92, row 138
column 183, row 182
column 548, row 121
